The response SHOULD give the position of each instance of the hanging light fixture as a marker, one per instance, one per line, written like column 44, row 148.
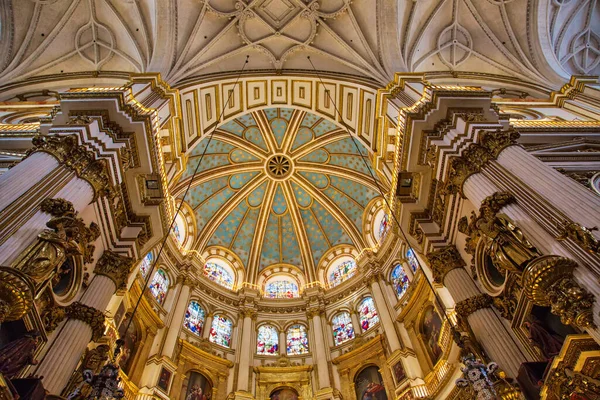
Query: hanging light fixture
column 476, row 375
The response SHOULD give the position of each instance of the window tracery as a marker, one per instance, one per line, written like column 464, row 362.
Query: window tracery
column 342, row 271
column 220, row 331
column 281, row 289
column 412, row 260
column 217, row 273
column 194, row 318
column 159, row 286
column 146, row 264
column 399, row 280
column 368, row 314
column 267, row 341
column 297, row 340
column 342, row 328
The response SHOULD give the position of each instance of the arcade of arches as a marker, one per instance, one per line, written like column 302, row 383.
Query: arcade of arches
column 410, row 213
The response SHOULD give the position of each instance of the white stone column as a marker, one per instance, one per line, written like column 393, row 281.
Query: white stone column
column 319, row 350
column 207, row 325
column 177, row 317
column 562, row 192
column 245, row 347
column 282, row 343
column 384, row 316
column 355, row 322
column 85, row 322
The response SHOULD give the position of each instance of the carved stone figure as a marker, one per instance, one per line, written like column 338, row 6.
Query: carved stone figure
column 17, row 354
column 548, row 343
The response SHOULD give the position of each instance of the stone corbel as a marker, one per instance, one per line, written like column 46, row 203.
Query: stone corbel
column 443, row 261
column 549, row 281
column 114, row 266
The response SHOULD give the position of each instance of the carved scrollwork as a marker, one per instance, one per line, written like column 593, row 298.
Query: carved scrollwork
column 579, row 234
column 57, row 207
column 52, row 316
column 114, row 266
column 548, row 281
column 443, row 261
column 91, row 316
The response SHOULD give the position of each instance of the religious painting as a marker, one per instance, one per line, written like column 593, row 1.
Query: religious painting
column 63, row 280
column 164, row 379
column 399, row 373
column 119, row 314
column 284, row 394
column 369, row 385
column 130, row 338
column 384, row 227
column 430, row 329
column 198, row 388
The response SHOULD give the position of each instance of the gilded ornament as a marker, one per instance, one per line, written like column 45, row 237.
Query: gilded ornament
column 497, row 141
column 468, row 306
column 548, row 281
column 91, row 316
column 443, row 261
column 16, row 294
column 114, row 266
column 52, row 316
column 93, row 360
column 57, row 207
column 579, row 234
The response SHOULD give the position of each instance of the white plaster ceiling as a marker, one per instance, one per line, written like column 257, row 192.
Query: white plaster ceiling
column 543, row 41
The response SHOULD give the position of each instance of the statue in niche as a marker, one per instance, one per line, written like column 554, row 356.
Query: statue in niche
column 546, row 341
column 18, row 354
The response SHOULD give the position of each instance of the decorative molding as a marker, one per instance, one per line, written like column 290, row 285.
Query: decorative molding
column 443, row 261
column 91, row 316
column 468, row 306
column 114, row 266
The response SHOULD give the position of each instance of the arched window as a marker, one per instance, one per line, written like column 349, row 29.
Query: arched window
column 381, row 225
column 344, row 269
column 220, row 331
column 281, row 289
column 159, row 286
column 342, row 328
column 297, row 340
column 399, row 280
column 412, row 260
column 267, row 341
column 179, row 229
column 194, row 318
column 219, row 274
column 368, row 314
column 146, row 264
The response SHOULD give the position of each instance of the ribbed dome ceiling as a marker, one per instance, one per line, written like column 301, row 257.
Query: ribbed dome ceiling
column 279, row 186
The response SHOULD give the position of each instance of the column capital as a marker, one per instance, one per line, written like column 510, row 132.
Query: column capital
column 468, row 306
column 114, row 266
column 91, row 316
column 247, row 312
column 315, row 311
column 443, row 261
column 69, row 153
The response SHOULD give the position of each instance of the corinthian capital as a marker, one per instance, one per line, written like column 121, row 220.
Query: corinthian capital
column 443, row 261
column 114, row 266
column 91, row 316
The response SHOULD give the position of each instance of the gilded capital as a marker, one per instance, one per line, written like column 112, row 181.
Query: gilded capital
column 468, row 306
column 443, row 261
column 114, row 266
column 57, row 207
column 91, row 316
column 69, row 153
column 549, row 281
column 312, row 312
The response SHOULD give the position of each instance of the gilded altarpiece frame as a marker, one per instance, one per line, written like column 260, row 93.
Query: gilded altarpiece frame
column 268, row 379
column 352, row 363
column 193, row 359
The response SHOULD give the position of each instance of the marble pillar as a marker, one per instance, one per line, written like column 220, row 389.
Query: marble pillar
column 177, row 318
column 245, row 347
column 384, row 316
column 319, row 350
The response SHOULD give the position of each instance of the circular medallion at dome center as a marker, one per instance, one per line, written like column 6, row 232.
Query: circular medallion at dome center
column 279, row 166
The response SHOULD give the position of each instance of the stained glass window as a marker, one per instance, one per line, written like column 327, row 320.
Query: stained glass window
column 384, row 226
column 297, row 340
column 399, row 280
column 267, row 341
column 342, row 328
column 220, row 331
column 412, row 260
column 281, row 290
column 217, row 273
column 159, row 286
column 146, row 264
column 341, row 272
column 179, row 228
column 368, row 314
column 194, row 318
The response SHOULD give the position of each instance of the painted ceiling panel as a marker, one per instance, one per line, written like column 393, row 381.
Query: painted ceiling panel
column 309, row 210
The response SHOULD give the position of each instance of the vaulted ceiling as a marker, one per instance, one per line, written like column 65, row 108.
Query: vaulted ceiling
column 280, row 186
column 544, row 41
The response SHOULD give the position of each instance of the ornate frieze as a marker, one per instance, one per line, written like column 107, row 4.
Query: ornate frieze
column 548, row 281
column 443, row 261
column 91, row 316
column 114, row 266
column 69, row 153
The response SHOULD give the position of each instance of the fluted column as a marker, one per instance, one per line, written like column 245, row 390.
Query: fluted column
column 86, row 322
column 384, row 315
column 245, row 347
column 447, row 266
column 282, row 343
column 207, row 325
column 177, row 317
column 355, row 322
column 319, row 349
